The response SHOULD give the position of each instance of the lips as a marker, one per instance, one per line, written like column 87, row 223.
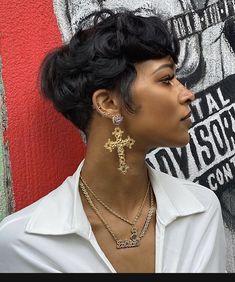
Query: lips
column 187, row 116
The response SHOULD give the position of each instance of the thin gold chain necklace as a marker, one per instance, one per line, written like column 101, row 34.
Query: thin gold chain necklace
column 114, row 212
column 134, row 240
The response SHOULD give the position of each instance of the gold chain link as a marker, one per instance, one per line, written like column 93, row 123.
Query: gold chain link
column 114, row 212
column 121, row 243
column 89, row 200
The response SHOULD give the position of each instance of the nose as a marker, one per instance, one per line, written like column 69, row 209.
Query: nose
column 185, row 95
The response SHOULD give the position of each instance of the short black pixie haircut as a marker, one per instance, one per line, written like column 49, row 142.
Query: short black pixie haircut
column 102, row 54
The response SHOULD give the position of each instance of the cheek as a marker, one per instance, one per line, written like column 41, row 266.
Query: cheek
column 156, row 110
column 154, row 117
column 161, row 110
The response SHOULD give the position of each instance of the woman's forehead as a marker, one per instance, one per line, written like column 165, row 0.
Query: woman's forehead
column 153, row 65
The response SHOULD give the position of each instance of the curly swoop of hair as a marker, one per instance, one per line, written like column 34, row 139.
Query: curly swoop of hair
column 102, row 55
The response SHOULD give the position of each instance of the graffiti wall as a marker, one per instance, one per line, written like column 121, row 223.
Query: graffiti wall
column 206, row 30
column 6, row 197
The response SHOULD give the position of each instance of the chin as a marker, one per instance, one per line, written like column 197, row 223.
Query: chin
column 183, row 142
column 170, row 143
column 180, row 142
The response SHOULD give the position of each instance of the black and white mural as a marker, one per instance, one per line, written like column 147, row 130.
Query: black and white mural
column 206, row 29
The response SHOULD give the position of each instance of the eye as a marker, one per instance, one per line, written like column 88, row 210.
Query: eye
column 168, row 79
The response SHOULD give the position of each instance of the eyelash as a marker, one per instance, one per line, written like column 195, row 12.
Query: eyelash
column 167, row 79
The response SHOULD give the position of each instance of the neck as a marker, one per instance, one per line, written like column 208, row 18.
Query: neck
column 122, row 191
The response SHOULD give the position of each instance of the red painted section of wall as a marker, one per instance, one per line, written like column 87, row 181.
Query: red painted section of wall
column 44, row 147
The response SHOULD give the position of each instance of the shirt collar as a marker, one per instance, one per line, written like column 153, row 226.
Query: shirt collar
column 61, row 211
column 171, row 202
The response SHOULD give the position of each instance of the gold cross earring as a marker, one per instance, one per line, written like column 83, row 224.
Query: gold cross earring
column 119, row 143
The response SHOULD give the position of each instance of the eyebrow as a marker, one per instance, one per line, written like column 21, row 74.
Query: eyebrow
column 172, row 66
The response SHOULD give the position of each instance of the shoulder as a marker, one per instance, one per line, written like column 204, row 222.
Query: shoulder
column 17, row 245
column 61, row 193
column 13, row 239
column 16, row 221
column 184, row 194
column 192, row 203
column 200, row 191
column 14, row 225
column 192, row 220
column 204, row 194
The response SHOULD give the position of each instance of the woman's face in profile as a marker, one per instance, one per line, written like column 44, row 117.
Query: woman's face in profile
column 162, row 118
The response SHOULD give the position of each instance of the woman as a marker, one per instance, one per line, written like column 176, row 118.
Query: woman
column 115, row 80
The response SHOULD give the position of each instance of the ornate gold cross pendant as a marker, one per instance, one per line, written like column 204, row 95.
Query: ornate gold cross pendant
column 120, row 143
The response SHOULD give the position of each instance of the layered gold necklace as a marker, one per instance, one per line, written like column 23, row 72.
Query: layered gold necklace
column 135, row 238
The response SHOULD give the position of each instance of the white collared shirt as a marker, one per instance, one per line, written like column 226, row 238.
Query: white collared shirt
column 54, row 235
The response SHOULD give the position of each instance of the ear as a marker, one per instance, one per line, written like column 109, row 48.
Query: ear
column 106, row 102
